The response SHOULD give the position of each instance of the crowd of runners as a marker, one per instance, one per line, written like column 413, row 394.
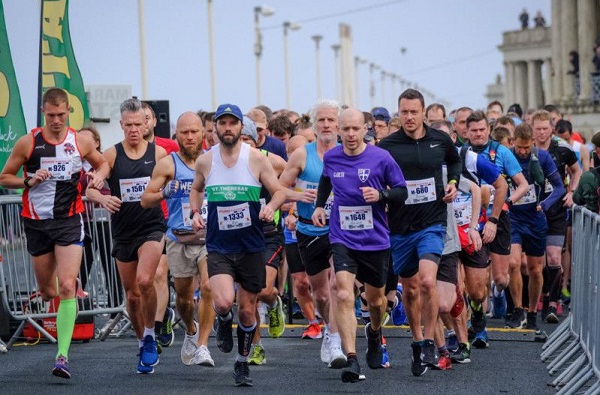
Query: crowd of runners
column 468, row 210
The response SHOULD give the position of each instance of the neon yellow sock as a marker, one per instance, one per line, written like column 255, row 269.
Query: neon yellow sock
column 65, row 322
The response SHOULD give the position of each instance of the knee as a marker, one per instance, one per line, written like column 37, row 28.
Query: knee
column 428, row 284
column 301, row 286
column 247, row 316
column 67, row 288
column 345, row 296
column 321, row 296
column 205, row 290
column 376, row 301
column 446, row 304
column 410, row 293
column 145, row 283
column 133, row 299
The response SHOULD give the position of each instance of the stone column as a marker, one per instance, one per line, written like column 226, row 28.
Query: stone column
column 586, row 18
column 521, row 84
column 548, row 82
column 555, row 70
column 534, row 85
column 509, row 83
column 568, row 21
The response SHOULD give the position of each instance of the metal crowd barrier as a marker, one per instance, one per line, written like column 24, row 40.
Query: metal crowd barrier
column 573, row 348
column 18, row 287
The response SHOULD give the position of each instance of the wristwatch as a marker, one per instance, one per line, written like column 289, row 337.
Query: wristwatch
column 192, row 212
column 493, row 220
column 384, row 194
column 26, row 181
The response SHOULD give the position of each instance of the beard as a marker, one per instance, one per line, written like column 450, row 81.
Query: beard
column 229, row 143
column 190, row 153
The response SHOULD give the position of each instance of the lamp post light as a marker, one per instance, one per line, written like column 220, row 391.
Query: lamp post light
column 357, row 62
column 286, row 27
column 258, row 11
column 317, row 39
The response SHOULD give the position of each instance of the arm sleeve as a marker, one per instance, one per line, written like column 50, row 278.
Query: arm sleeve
column 397, row 194
column 324, row 191
column 557, row 192
column 453, row 161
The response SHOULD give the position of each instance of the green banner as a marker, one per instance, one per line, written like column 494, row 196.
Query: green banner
column 58, row 67
column 12, row 120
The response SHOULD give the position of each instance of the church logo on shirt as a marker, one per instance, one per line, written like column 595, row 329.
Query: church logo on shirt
column 363, row 174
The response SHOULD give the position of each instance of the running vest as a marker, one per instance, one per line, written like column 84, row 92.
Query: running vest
column 233, row 196
column 179, row 202
column 309, row 179
column 128, row 182
column 58, row 196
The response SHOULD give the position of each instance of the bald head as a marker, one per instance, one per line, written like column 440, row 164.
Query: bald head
column 187, row 117
column 189, row 132
column 294, row 143
column 351, row 113
column 352, row 131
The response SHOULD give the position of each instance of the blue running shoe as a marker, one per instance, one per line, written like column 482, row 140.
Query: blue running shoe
column 141, row 368
column 481, row 339
column 149, row 352
column 499, row 303
column 385, row 357
column 452, row 341
column 61, row 368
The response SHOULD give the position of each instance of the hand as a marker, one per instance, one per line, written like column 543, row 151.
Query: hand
column 474, row 238
column 319, row 217
column 489, row 232
column 450, row 193
column 38, row 177
column 111, row 203
column 170, row 189
column 371, row 195
column 568, row 200
column 95, row 181
column 308, row 196
column 266, row 213
column 290, row 222
column 198, row 222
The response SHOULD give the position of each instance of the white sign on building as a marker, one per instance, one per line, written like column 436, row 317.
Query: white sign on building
column 104, row 102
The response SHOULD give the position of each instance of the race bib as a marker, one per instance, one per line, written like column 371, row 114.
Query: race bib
column 528, row 198
column 548, row 188
column 328, row 205
column 60, row 168
column 356, row 217
column 186, row 211
column 133, row 188
column 421, row 191
column 463, row 209
column 234, row 217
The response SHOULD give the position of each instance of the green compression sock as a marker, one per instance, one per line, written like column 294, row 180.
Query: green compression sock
column 65, row 322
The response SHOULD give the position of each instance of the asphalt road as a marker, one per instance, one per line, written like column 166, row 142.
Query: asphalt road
column 511, row 365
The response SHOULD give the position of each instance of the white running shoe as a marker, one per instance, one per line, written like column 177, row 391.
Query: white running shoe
column 189, row 347
column 326, row 347
column 203, row 357
column 337, row 358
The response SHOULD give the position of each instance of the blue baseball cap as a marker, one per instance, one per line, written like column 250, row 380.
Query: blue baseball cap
column 381, row 114
column 229, row 109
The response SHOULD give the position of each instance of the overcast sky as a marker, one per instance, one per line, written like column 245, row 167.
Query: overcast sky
column 451, row 47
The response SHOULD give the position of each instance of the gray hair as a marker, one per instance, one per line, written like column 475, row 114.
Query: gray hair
column 323, row 104
column 131, row 105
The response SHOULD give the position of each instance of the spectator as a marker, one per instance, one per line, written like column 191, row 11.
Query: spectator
column 596, row 59
column 524, row 18
column 539, row 20
column 574, row 60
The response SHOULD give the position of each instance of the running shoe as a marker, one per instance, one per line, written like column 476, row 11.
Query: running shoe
column 224, row 335
column 351, row 373
column 149, row 353
column 552, row 315
column 481, row 339
column 444, row 363
column 141, row 368
column 478, row 318
column 276, row 319
column 374, row 351
column 429, row 357
column 451, row 341
column 417, row 368
column 166, row 337
column 203, row 358
column 257, row 355
column 531, row 320
column 499, row 303
column 61, row 368
column 326, row 347
column 297, row 311
column 385, row 357
column 565, row 296
column 189, row 347
column 337, row 359
column 241, row 374
column 312, row 331
column 517, row 320
column 459, row 304
column 462, row 355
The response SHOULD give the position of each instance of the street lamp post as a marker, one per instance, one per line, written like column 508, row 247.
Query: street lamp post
column 357, row 62
column 258, row 11
column 286, row 27
column 372, row 68
column 211, row 55
column 336, row 52
column 317, row 39
column 383, row 75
